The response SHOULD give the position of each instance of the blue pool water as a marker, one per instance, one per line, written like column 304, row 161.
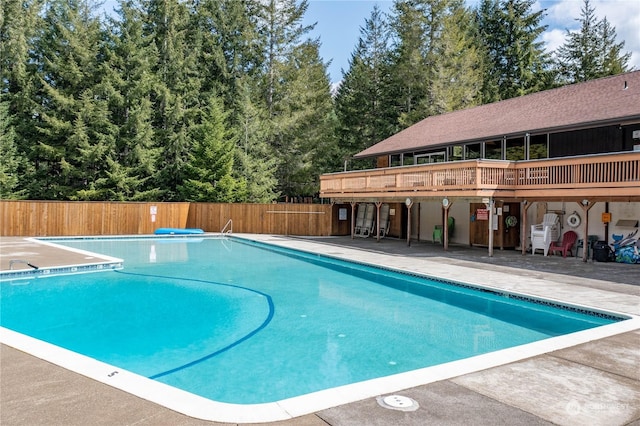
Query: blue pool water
column 243, row 322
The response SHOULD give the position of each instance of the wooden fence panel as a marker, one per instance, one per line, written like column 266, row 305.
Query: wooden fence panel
column 60, row 218
column 279, row 219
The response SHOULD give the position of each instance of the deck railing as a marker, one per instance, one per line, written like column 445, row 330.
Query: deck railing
column 619, row 170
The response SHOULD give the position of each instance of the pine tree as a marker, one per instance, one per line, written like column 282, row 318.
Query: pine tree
column 365, row 111
column 410, row 68
column 230, row 46
column 280, row 24
column 435, row 62
column 232, row 57
column 291, row 81
column 209, row 171
column 592, row 51
column 19, row 24
column 516, row 63
column 457, row 75
column 177, row 94
column 256, row 163
column 11, row 162
column 309, row 112
column 130, row 59
column 76, row 134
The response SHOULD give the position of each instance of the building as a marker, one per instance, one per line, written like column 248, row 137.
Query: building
column 573, row 151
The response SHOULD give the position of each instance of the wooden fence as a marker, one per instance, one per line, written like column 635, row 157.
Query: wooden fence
column 60, row 218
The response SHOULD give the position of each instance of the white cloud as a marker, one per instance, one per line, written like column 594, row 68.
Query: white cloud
column 554, row 38
column 624, row 15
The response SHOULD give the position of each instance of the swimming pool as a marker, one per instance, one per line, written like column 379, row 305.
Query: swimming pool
column 198, row 313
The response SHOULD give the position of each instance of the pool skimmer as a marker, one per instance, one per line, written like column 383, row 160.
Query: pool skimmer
column 397, row 402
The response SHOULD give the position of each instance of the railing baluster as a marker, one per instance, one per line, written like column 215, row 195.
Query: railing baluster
column 615, row 169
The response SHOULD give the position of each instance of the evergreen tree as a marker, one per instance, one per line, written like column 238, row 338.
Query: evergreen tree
column 410, row 67
column 256, row 163
column 292, row 76
column 209, row 171
column 306, row 120
column 516, row 63
column 11, row 162
column 230, row 46
column 435, row 62
column 591, row 52
column 280, row 24
column 365, row 111
column 76, row 134
column 457, row 72
column 19, row 23
column 232, row 56
column 177, row 93
column 130, row 59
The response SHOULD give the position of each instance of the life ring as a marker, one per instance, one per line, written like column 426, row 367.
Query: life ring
column 511, row 221
column 574, row 220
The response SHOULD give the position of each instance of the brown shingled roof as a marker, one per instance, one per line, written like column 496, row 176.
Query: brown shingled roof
column 597, row 102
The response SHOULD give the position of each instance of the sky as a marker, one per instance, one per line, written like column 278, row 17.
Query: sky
column 338, row 24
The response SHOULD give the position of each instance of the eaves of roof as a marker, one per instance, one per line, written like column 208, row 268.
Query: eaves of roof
column 609, row 100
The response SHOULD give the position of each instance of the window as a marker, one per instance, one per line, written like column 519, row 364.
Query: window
column 395, row 160
column 538, row 147
column 456, row 152
column 514, row 149
column 407, row 159
column 432, row 157
column 472, row 151
column 493, row 150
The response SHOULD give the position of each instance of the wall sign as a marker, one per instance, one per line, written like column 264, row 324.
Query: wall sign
column 482, row 214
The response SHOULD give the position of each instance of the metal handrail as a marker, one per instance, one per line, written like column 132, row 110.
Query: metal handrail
column 228, row 224
column 11, row 262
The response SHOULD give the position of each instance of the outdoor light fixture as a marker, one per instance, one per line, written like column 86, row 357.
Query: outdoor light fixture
column 585, row 202
column 407, row 201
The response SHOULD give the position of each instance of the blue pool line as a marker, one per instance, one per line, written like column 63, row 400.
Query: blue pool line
column 226, row 348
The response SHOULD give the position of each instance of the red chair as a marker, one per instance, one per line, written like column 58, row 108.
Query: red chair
column 568, row 240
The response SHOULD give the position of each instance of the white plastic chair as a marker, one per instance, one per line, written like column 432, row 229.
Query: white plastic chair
column 367, row 222
column 543, row 234
column 384, row 220
column 540, row 239
column 360, row 218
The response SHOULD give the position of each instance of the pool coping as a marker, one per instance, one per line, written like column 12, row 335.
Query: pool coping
column 203, row 408
column 106, row 263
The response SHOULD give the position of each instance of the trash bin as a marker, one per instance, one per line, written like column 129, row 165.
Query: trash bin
column 601, row 251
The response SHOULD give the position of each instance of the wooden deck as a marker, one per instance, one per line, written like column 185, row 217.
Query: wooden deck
column 606, row 177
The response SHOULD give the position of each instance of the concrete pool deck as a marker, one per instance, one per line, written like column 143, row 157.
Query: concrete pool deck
column 595, row 383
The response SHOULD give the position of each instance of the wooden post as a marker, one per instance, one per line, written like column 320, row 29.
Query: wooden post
column 378, row 204
column 490, row 207
column 409, row 203
column 353, row 218
column 445, row 227
column 585, row 239
column 523, row 226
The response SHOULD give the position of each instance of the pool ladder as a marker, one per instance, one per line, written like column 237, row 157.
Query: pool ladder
column 26, row 262
column 228, row 225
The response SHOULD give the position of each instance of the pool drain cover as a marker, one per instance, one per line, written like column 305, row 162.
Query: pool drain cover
column 398, row 402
